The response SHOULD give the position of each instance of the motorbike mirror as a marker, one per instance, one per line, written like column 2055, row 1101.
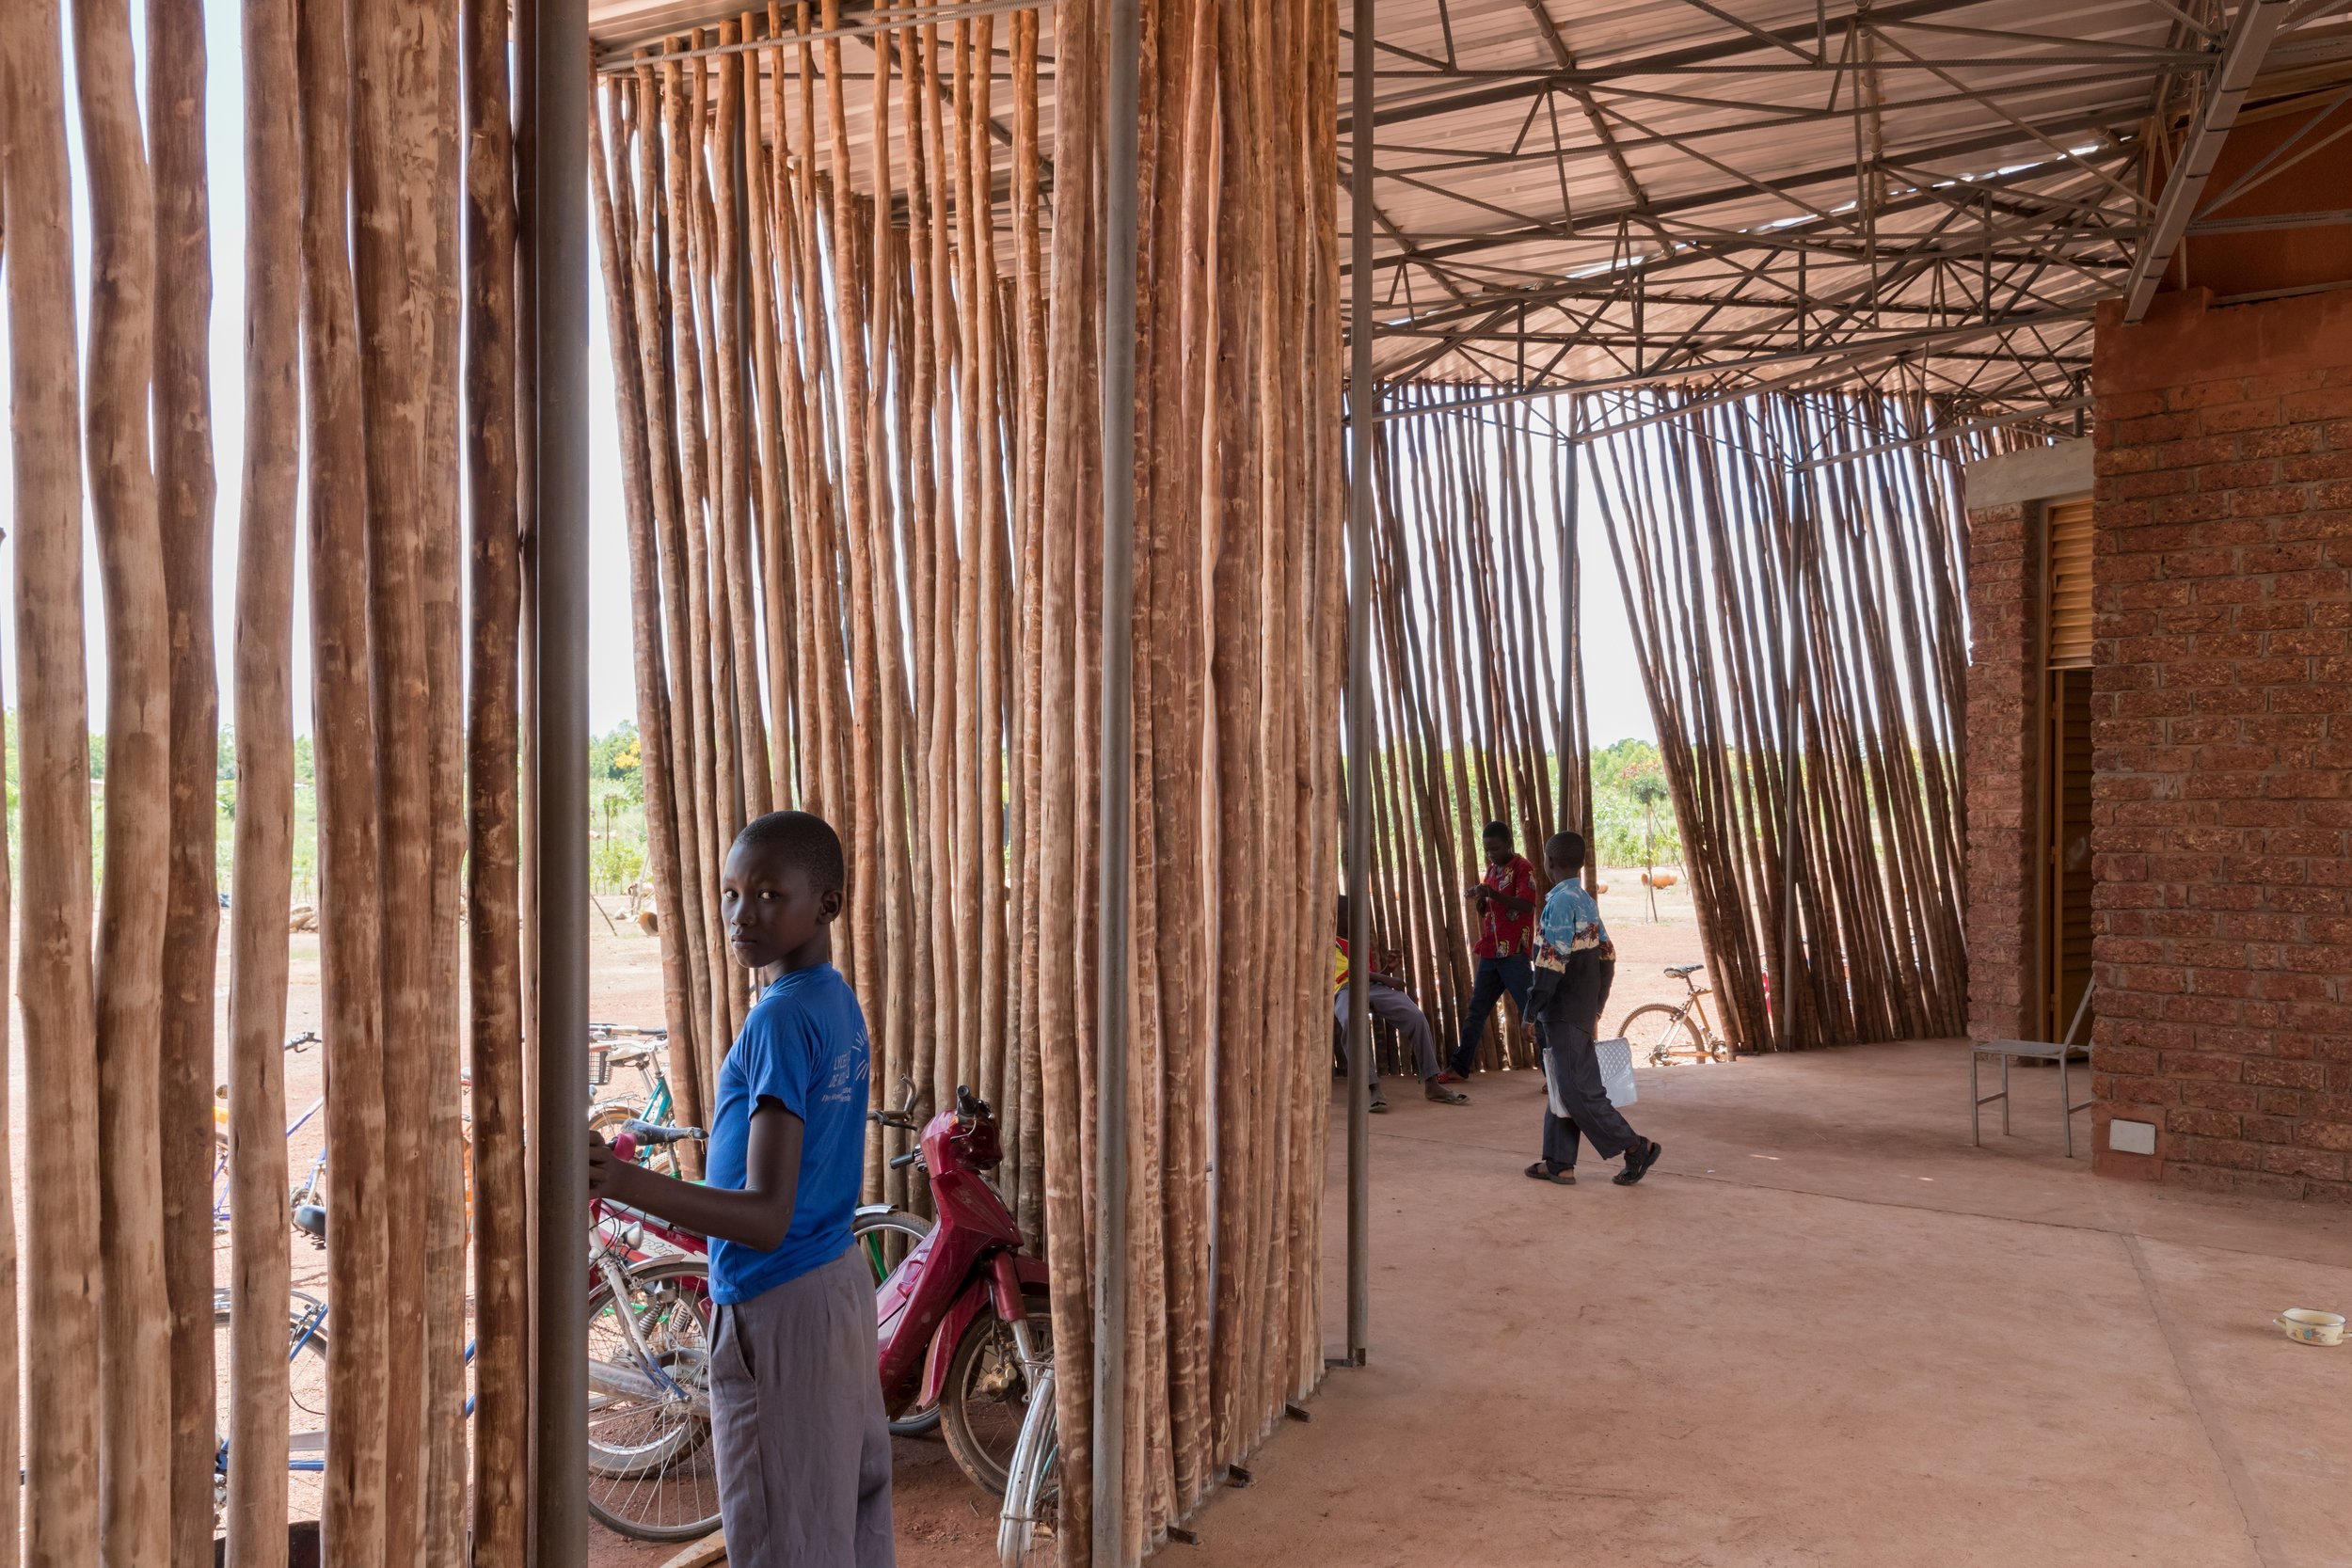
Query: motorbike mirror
column 906, row 1101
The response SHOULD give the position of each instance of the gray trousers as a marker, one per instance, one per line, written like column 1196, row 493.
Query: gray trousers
column 1401, row 1013
column 796, row 1414
column 1577, row 1068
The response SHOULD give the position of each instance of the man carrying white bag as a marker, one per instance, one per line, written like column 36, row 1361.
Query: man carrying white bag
column 1575, row 964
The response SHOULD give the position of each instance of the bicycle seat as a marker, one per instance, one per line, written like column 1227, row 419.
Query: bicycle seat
column 631, row 1055
column 1683, row 970
column 311, row 1219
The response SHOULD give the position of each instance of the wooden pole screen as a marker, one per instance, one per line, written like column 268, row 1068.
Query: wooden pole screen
column 1481, row 713
column 922, row 458
column 1799, row 633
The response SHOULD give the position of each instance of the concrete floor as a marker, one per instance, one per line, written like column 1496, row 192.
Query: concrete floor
column 1826, row 1331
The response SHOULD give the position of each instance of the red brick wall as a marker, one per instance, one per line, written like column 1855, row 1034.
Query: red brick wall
column 2004, row 599
column 2222, row 742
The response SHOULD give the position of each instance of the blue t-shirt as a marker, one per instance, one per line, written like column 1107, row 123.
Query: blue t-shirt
column 803, row 1047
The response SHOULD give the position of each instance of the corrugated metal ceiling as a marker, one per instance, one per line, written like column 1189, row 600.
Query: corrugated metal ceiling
column 1760, row 191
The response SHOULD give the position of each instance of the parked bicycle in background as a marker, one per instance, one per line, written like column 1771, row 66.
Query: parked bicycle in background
column 1665, row 1034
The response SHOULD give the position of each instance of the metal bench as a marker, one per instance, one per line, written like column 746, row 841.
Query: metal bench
column 2060, row 1052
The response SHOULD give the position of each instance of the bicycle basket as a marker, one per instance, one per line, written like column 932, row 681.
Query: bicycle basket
column 599, row 1066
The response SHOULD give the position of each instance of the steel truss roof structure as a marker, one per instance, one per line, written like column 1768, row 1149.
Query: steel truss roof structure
column 1761, row 193
column 1754, row 193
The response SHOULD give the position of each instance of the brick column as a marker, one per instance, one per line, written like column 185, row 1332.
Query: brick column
column 2004, row 605
column 2222, row 743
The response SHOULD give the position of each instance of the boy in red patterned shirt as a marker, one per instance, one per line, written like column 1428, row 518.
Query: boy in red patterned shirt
column 1505, row 902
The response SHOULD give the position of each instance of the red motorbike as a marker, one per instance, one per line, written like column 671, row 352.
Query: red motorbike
column 962, row 1318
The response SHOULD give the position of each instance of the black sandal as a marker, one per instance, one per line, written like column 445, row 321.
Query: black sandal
column 1638, row 1162
column 1544, row 1170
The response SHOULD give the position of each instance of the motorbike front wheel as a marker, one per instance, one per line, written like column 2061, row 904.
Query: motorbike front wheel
column 987, row 1396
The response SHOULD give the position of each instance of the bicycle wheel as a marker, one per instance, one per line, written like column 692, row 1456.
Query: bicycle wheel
column 652, row 1474
column 306, row 1401
column 608, row 1117
column 1714, row 1047
column 1031, row 1516
column 987, row 1396
column 1661, row 1035
column 885, row 1240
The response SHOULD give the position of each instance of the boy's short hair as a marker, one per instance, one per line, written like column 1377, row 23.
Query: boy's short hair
column 1564, row 850
column 1497, row 829
column 799, row 840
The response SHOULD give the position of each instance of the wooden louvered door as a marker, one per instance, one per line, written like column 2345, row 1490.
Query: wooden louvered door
column 2066, row 764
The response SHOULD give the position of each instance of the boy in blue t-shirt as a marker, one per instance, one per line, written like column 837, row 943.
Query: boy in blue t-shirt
column 796, row 1406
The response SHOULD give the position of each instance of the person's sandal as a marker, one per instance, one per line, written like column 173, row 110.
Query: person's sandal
column 1378, row 1106
column 1544, row 1170
column 1436, row 1090
column 1450, row 1076
column 1638, row 1162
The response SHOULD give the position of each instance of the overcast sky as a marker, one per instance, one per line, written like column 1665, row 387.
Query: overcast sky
column 1615, row 696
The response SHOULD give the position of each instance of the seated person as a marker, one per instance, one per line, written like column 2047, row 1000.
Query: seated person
column 1393, row 1005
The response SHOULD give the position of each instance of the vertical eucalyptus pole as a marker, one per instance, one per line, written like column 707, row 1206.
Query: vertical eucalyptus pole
column 1113, row 932
column 260, row 1262
column 1363, row 416
column 558, row 221
column 53, row 953
column 182, row 440
column 134, row 1337
column 501, row 1440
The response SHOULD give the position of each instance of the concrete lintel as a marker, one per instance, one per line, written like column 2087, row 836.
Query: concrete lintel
column 2031, row 474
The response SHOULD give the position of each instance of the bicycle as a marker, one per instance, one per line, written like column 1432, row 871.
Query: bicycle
column 307, row 1191
column 620, row 1045
column 1663, row 1033
column 651, row 1476
column 1030, row 1521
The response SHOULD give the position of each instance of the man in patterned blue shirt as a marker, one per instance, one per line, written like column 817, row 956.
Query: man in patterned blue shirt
column 1575, row 963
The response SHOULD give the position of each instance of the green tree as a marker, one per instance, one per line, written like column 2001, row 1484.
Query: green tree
column 617, row 757
column 1647, row 785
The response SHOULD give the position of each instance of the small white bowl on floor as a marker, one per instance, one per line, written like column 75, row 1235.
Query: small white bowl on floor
column 2307, row 1326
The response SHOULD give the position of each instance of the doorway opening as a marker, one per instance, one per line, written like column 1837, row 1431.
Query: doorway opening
column 2064, row 793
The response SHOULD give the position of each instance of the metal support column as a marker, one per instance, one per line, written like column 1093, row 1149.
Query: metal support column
column 1116, row 916
column 558, row 719
column 1364, row 401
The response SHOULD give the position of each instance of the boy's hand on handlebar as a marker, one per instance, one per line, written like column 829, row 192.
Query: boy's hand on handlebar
column 604, row 1167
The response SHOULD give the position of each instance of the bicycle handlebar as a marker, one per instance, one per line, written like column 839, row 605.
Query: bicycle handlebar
column 655, row 1132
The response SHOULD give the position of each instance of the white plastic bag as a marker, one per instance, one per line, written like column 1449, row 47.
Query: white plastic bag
column 1616, row 1069
column 1551, row 1088
column 1617, row 1075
